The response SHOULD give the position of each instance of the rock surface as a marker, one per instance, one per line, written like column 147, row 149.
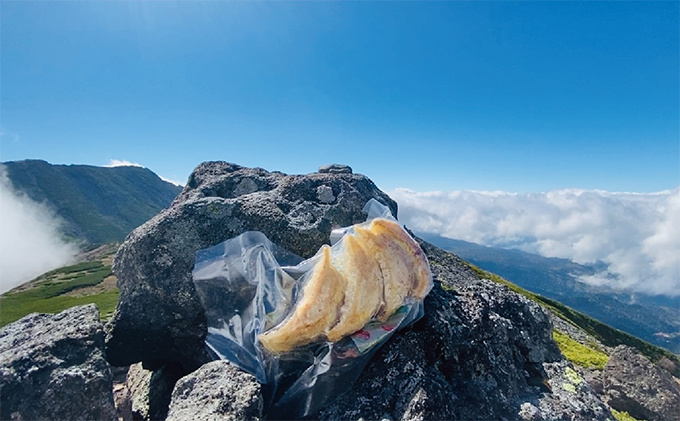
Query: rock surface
column 480, row 352
column 631, row 383
column 159, row 318
column 53, row 367
column 335, row 169
column 216, row 391
column 149, row 392
column 137, row 384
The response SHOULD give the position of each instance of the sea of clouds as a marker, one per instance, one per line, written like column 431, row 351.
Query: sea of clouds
column 30, row 243
column 636, row 234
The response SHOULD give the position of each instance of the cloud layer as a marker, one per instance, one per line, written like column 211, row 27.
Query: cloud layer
column 30, row 243
column 636, row 234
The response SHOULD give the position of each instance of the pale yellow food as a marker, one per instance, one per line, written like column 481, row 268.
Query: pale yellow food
column 370, row 275
column 398, row 278
column 364, row 291
column 317, row 309
column 418, row 260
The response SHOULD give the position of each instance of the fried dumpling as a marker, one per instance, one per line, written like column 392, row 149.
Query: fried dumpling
column 398, row 278
column 370, row 274
column 364, row 290
column 317, row 309
column 418, row 261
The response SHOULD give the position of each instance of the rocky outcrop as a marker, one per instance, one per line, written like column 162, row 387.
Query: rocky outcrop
column 480, row 352
column 159, row 318
column 216, row 391
column 631, row 383
column 53, row 367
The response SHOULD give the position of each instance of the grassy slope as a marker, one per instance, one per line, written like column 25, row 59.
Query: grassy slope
column 607, row 335
column 58, row 290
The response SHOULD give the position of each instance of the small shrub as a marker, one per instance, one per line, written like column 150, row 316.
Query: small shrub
column 447, row 287
column 94, row 265
column 579, row 354
column 622, row 416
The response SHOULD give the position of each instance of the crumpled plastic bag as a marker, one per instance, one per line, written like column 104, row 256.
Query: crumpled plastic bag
column 249, row 285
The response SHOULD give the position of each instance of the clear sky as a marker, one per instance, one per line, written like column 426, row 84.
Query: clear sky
column 512, row 96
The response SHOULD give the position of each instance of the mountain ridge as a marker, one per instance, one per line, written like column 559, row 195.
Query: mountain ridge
column 96, row 204
column 654, row 319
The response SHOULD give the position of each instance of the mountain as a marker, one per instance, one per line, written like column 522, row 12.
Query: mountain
column 655, row 319
column 97, row 204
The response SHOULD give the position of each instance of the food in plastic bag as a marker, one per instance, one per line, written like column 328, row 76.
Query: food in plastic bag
column 374, row 272
column 307, row 328
column 322, row 295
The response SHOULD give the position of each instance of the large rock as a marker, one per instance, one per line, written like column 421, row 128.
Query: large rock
column 216, row 391
column 480, row 352
column 631, row 383
column 159, row 317
column 53, row 367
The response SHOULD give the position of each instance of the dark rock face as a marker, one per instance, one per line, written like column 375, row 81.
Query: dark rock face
column 159, row 318
column 216, row 391
column 53, row 367
column 480, row 352
column 631, row 383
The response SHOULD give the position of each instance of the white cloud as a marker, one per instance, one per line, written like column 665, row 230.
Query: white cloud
column 123, row 163
column 177, row 183
column 30, row 243
column 636, row 234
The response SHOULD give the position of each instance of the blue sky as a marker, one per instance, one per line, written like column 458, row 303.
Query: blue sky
column 512, row 96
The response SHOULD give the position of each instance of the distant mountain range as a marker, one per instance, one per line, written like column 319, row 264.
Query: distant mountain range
column 97, row 204
column 655, row 319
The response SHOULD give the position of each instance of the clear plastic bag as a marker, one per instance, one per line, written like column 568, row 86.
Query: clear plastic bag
column 249, row 285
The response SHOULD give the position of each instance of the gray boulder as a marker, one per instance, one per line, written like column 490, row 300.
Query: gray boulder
column 52, row 367
column 480, row 352
column 216, row 391
column 159, row 318
column 631, row 383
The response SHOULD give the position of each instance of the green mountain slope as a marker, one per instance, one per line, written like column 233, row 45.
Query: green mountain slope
column 90, row 281
column 655, row 319
column 601, row 332
column 98, row 204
